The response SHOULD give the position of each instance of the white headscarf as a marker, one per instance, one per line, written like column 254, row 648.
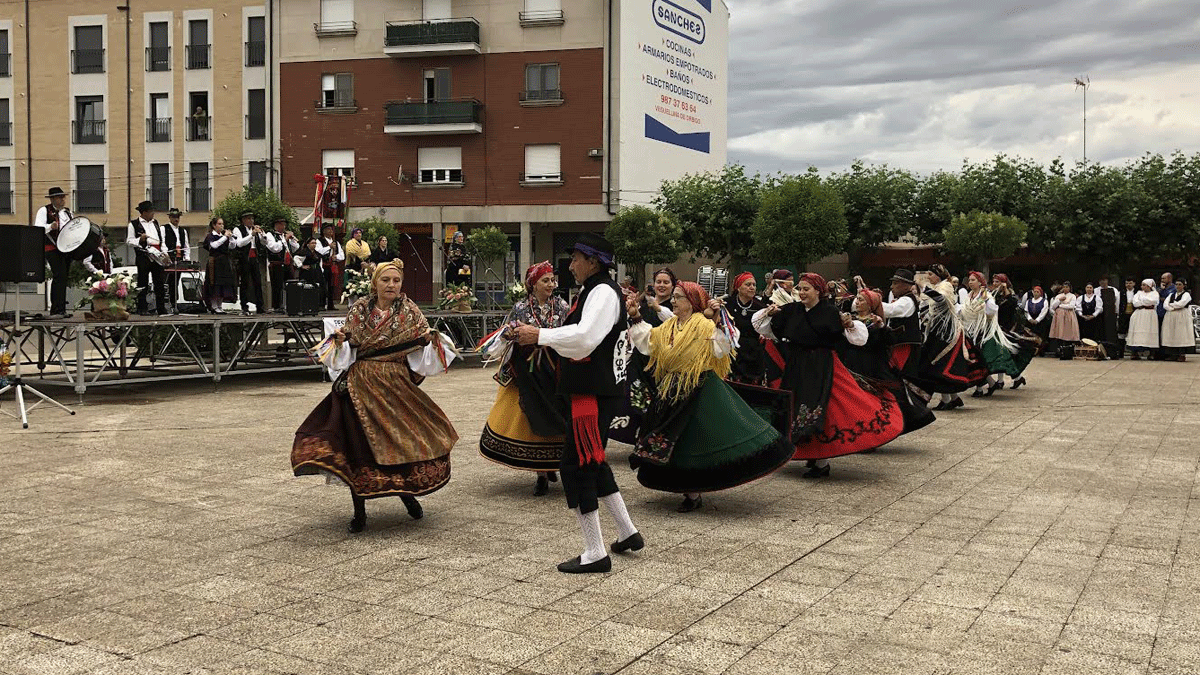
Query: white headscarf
column 1150, row 283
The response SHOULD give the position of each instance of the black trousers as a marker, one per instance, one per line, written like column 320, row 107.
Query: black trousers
column 250, row 284
column 147, row 271
column 584, row 485
column 60, row 266
column 279, row 274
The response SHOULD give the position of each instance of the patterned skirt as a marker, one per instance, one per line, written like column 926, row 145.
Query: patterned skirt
column 1065, row 326
column 856, row 418
column 509, row 439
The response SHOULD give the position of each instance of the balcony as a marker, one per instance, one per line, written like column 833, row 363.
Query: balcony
column 158, row 59
column 87, row 132
column 542, row 17
column 5, row 133
column 87, row 61
column 89, row 201
column 256, row 53
column 336, row 105
column 5, row 65
column 541, row 180
column 429, row 118
column 158, row 129
column 6, row 201
column 335, row 29
column 432, row 38
column 199, row 128
column 199, row 198
column 160, row 197
column 534, row 98
column 199, row 57
column 256, row 126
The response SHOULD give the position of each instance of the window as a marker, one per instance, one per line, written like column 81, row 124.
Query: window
column 199, row 124
column 158, row 54
column 541, row 82
column 159, row 191
column 337, row 162
column 89, row 188
column 198, row 189
column 158, row 125
column 337, row 18
column 5, row 56
column 256, row 116
column 337, row 90
column 6, row 192
column 89, row 120
column 5, row 122
column 542, row 13
column 437, row 85
column 439, row 165
column 542, row 164
column 88, row 55
column 256, row 44
column 258, row 173
column 198, row 50
column 435, row 10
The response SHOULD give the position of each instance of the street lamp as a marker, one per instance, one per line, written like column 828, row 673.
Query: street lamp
column 1085, row 83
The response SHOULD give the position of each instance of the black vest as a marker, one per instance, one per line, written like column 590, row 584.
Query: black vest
column 51, row 218
column 907, row 330
column 282, row 255
column 139, row 230
column 240, row 252
column 597, row 372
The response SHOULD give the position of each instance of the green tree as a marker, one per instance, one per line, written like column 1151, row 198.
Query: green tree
column 933, row 206
column 263, row 203
column 984, row 237
column 642, row 236
column 488, row 244
column 801, row 220
column 716, row 210
column 375, row 227
column 1167, row 206
column 879, row 203
column 1004, row 185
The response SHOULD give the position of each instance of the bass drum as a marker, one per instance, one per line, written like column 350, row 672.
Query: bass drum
column 79, row 238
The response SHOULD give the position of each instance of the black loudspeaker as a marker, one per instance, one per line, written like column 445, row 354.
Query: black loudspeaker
column 1066, row 352
column 22, row 254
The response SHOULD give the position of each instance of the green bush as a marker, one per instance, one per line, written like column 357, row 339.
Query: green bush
column 801, row 220
column 488, row 244
column 984, row 236
column 265, row 204
column 642, row 236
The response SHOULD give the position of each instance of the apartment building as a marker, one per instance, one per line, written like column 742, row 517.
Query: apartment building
column 542, row 117
column 162, row 101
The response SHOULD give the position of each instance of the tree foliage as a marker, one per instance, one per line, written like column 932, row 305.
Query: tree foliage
column 488, row 244
column 642, row 236
column 801, row 219
column 375, row 227
column 879, row 203
column 716, row 211
column 263, row 203
column 984, row 236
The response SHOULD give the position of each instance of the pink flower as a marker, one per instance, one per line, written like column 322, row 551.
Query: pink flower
column 121, row 292
column 104, row 284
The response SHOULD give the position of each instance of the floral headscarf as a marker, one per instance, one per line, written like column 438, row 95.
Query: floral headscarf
column 695, row 294
column 397, row 265
column 816, row 281
column 874, row 302
column 536, row 272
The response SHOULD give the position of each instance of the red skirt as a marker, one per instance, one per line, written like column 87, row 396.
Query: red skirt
column 856, row 419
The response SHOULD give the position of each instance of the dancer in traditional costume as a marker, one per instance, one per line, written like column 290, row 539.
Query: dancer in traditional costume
column 1143, row 325
column 655, row 308
column 525, row 429
column 377, row 431
column 591, row 383
column 1014, row 322
column 980, row 319
column 1037, row 313
column 1065, row 325
column 950, row 364
column 834, row 414
column 1177, row 332
column 903, row 322
column 697, row 434
column 1090, row 310
column 749, row 361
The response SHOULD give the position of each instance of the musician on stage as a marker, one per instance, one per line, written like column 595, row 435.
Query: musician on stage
column 248, row 263
column 333, row 256
column 179, row 248
column 281, row 246
column 146, row 237
column 50, row 218
column 100, row 261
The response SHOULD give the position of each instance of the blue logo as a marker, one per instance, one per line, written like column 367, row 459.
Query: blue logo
column 682, row 22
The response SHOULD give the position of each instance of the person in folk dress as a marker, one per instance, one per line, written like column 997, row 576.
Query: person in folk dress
column 1090, row 310
column 950, row 362
column 655, row 308
column 749, row 364
column 1178, row 333
column 1065, row 325
column 1037, row 309
column 1143, row 326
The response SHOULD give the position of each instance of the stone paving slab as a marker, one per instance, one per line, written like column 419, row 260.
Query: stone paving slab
column 1051, row 530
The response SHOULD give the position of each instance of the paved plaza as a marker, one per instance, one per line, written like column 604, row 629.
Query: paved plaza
column 1055, row 529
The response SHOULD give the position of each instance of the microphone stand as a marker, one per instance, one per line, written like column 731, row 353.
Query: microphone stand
column 415, row 251
column 17, row 385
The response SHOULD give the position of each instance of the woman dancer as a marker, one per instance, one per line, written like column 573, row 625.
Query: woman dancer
column 749, row 365
column 834, row 414
column 525, row 429
column 1143, row 325
column 655, row 308
column 220, row 284
column 1065, row 325
column 950, row 364
column 458, row 270
column 697, row 435
column 377, row 431
column 1090, row 310
column 1177, row 328
column 1037, row 309
column 980, row 318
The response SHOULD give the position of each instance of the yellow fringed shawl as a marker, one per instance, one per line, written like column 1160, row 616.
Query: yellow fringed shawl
column 680, row 355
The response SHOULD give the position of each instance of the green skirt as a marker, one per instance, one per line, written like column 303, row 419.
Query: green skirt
column 711, row 441
column 1000, row 360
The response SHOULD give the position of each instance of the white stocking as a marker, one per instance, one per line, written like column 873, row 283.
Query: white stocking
column 593, row 539
column 946, row 398
column 616, row 508
column 991, row 379
column 821, row 463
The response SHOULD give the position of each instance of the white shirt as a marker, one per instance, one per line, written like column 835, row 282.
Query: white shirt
column 1144, row 300
column 856, row 334
column 902, row 308
column 153, row 232
column 324, row 247
column 1067, row 301
column 1099, row 304
column 1042, row 314
column 90, row 266
column 1181, row 302
column 601, row 310
column 40, row 220
column 312, row 260
column 275, row 243
column 242, row 237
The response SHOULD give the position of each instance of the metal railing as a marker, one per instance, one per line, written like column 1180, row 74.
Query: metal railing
column 542, row 17
column 541, row 95
column 256, row 53
column 160, row 197
column 199, row 128
column 89, row 201
column 256, row 126
column 87, row 61
column 414, row 33
column 432, row 112
column 87, row 132
column 339, row 101
column 6, row 201
column 199, row 198
column 5, row 65
column 199, row 57
column 6, row 133
column 541, row 178
column 158, row 59
column 331, row 28
column 158, row 129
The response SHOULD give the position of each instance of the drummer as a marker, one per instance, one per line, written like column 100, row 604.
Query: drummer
column 145, row 235
column 51, row 218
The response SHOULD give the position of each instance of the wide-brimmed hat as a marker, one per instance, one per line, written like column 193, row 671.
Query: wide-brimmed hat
column 595, row 246
column 247, row 214
column 55, row 192
column 905, row 276
column 145, row 206
column 173, row 211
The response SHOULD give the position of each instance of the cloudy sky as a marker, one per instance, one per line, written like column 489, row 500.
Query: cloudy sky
column 924, row 84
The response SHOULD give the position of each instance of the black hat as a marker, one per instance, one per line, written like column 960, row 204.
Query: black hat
column 940, row 270
column 174, row 212
column 145, row 206
column 55, row 192
column 280, row 219
column 247, row 214
column 904, row 275
column 593, row 245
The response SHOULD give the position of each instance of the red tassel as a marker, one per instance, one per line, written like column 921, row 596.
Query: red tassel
column 585, row 423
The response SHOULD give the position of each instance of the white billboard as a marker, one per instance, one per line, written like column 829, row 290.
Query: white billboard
column 673, row 89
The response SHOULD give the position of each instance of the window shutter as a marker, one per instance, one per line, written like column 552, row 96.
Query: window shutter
column 337, row 11
column 439, row 158
column 542, row 162
column 542, row 5
column 435, row 10
column 344, row 86
column 337, row 159
column 328, row 83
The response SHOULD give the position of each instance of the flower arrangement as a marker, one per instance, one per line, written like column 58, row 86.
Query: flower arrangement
column 358, row 284
column 5, row 361
column 109, row 295
column 515, row 293
column 458, row 296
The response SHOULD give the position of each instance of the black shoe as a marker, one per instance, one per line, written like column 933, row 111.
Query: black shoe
column 1018, row 382
column 940, row 406
column 993, row 387
column 956, row 403
column 413, row 506
column 690, row 504
column 633, row 542
column 574, row 566
column 978, row 393
column 357, row 524
column 542, row 487
column 552, row 476
column 816, row 472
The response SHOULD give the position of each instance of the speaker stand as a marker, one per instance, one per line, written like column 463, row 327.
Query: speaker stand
column 16, row 385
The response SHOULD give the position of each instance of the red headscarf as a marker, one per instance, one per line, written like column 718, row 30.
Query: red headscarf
column 695, row 294
column 979, row 277
column 536, row 272
column 874, row 302
column 781, row 275
column 1002, row 278
column 816, row 281
column 741, row 279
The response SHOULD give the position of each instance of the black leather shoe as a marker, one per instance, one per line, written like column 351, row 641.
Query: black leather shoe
column 357, row 524
column 690, row 504
column 940, row 406
column 993, row 387
column 956, row 403
column 574, row 566
column 977, row 394
column 1018, row 382
column 542, row 486
column 413, row 506
column 552, row 476
column 633, row 542
column 816, row 472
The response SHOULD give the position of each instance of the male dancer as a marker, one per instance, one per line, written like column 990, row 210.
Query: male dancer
column 592, row 387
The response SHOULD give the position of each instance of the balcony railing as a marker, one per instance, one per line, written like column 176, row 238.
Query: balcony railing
column 335, row 28
column 541, row 96
column 451, row 36
column 199, row 198
column 5, row 65
column 542, row 17
column 89, row 201
column 87, row 132
column 199, row 128
column 6, row 201
column 158, row 129
column 541, row 179
column 256, row 53
column 87, row 61
column 199, row 57
column 5, row 133
column 408, row 113
column 256, row 126
column 158, row 59
column 338, row 103
column 160, row 197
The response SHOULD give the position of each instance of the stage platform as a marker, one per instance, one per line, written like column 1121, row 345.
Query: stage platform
column 80, row 353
